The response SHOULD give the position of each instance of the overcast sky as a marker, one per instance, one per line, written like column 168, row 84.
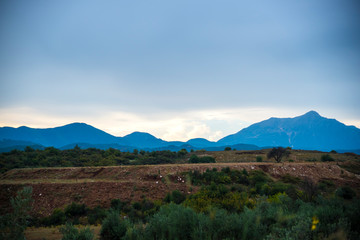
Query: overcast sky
column 177, row 69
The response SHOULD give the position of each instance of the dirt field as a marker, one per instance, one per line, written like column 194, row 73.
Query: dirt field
column 58, row 187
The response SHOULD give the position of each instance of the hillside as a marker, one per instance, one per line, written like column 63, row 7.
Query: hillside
column 56, row 187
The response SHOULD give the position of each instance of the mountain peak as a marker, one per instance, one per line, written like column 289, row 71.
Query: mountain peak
column 312, row 113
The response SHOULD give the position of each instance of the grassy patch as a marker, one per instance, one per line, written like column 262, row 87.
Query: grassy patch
column 353, row 167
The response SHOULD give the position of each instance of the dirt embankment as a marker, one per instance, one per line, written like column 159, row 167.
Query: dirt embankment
column 58, row 187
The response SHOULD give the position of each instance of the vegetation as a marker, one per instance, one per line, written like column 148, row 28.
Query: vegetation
column 230, row 204
column 214, row 213
column 278, row 153
column 52, row 157
column 327, row 158
column 205, row 159
column 226, row 203
column 13, row 224
column 72, row 233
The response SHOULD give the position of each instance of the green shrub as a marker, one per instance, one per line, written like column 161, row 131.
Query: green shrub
column 75, row 210
column 172, row 222
column 69, row 232
column 117, row 204
column 258, row 177
column 96, row 215
column 113, row 228
column 205, row 159
column 227, row 149
column 259, row 158
column 58, row 217
column 175, row 196
column 325, row 184
column 345, row 192
column 13, row 224
column 326, row 158
column 287, row 178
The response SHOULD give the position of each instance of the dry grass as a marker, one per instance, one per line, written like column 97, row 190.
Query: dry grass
column 295, row 156
column 52, row 233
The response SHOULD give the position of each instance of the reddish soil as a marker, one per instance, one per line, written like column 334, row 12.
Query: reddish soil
column 58, row 187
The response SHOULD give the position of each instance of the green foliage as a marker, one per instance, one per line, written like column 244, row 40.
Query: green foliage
column 117, row 204
column 310, row 190
column 58, row 217
column 225, row 176
column 113, row 228
column 69, row 232
column 175, row 196
column 172, row 222
column 258, row 177
column 75, row 210
column 218, row 196
column 259, row 158
column 13, row 225
column 227, row 149
column 287, row 178
column 345, row 192
column 205, row 159
column 96, row 215
column 327, row 158
column 325, row 185
column 76, row 157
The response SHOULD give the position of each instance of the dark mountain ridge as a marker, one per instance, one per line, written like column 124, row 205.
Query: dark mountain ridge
column 309, row 132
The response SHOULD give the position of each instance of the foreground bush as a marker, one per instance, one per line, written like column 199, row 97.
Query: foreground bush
column 113, row 228
column 70, row 232
column 13, row 224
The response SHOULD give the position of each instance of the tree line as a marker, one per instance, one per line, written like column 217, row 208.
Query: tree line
column 76, row 157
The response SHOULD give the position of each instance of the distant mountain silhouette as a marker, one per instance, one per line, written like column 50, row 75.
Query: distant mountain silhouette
column 309, row 131
column 200, row 142
column 142, row 140
column 7, row 145
column 58, row 136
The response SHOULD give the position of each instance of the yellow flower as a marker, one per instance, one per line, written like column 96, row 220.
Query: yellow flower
column 315, row 221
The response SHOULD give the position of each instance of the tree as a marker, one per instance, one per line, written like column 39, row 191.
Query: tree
column 13, row 225
column 278, row 153
column 113, row 228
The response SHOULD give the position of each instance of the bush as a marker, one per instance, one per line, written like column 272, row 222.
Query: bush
column 13, row 225
column 172, row 222
column 117, row 204
column 113, row 228
column 75, row 210
column 175, row 196
column 96, row 215
column 345, row 192
column 259, row 158
column 206, row 159
column 56, row 218
column 69, row 232
column 326, row 158
column 227, row 149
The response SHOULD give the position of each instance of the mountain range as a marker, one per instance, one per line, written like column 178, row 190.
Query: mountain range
column 309, row 132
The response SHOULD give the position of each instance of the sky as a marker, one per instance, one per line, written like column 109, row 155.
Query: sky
column 177, row 69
